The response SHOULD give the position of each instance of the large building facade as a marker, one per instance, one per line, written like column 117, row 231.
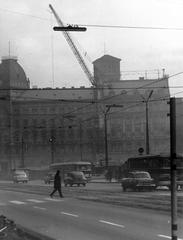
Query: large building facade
column 43, row 126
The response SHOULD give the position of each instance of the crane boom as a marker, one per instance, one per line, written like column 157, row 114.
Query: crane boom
column 74, row 48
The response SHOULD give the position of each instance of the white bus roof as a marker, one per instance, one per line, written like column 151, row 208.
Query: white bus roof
column 66, row 163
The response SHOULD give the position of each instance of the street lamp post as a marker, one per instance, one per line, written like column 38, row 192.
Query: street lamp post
column 23, row 162
column 147, row 122
column 52, row 146
column 105, row 127
column 70, row 117
column 106, row 145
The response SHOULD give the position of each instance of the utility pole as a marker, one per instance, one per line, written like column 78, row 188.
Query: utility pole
column 23, row 162
column 105, row 126
column 173, row 168
column 106, row 145
column 147, row 121
column 52, row 146
column 70, row 117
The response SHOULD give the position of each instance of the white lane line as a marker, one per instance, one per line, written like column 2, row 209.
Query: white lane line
column 35, row 201
column 40, row 208
column 110, row 223
column 17, row 202
column 73, row 215
column 53, row 199
column 163, row 236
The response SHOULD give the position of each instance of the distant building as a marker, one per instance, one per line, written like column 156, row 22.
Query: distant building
column 41, row 126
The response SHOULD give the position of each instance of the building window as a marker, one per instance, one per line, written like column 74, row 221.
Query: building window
column 34, row 122
column 43, row 136
column 52, row 109
column 136, row 93
column 111, row 93
column 16, row 123
column 43, row 110
column 34, row 110
column 34, row 136
column 71, row 133
column 25, row 110
column 25, row 123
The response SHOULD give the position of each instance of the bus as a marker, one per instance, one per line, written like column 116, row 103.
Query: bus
column 64, row 168
column 158, row 166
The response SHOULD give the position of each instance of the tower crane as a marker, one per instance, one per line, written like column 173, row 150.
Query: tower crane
column 74, row 49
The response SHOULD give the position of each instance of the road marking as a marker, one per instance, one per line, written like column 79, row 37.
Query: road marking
column 110, row 223
column 17, row 202
column 163, row 236
column 40, row 208
column 54, row 200
column 2, row 204
column 73, row 215
column 35, row 201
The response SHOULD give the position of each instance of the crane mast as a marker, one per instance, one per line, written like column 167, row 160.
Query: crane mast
column 74, row 48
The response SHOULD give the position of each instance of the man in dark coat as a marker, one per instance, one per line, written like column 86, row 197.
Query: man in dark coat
column 57, row 184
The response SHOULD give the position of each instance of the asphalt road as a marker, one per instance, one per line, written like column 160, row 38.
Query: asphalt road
column 71, row 218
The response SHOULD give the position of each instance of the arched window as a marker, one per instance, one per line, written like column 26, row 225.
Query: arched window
column 123, row 93
column 111, row 93
column 136, row 93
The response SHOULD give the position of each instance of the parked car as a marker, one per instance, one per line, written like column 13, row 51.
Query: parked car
column 49, row 177
column 138, row 180
column 77, row 178
column 20, row 177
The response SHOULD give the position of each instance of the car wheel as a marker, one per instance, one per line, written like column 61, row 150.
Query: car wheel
column 124, row 189
column 150, row 189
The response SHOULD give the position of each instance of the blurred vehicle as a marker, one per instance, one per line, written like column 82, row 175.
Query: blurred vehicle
column 66, row 167
column 75, row 177
column 138, row 180
column 20, row 177
column 158, row 166
column 49, row 177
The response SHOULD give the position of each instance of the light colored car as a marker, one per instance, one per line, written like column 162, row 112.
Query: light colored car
column 49, row 177
column 137, row 181
column 20, row 177
column 75, row 178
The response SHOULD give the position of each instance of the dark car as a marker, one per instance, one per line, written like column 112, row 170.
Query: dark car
column 75, row 178
column 49, row 177
column 138, row 180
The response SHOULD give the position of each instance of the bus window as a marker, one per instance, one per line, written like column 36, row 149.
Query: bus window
column 167, row 162
column 179, row 162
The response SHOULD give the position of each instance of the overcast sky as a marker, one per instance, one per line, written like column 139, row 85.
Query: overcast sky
column 48, row 60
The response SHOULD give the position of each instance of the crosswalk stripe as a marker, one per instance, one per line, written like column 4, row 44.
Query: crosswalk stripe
column 2, row 204
column 17, row 202
column 53, row 199
column 35, row 201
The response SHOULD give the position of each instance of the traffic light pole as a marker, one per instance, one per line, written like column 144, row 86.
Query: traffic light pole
column 173, row 168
